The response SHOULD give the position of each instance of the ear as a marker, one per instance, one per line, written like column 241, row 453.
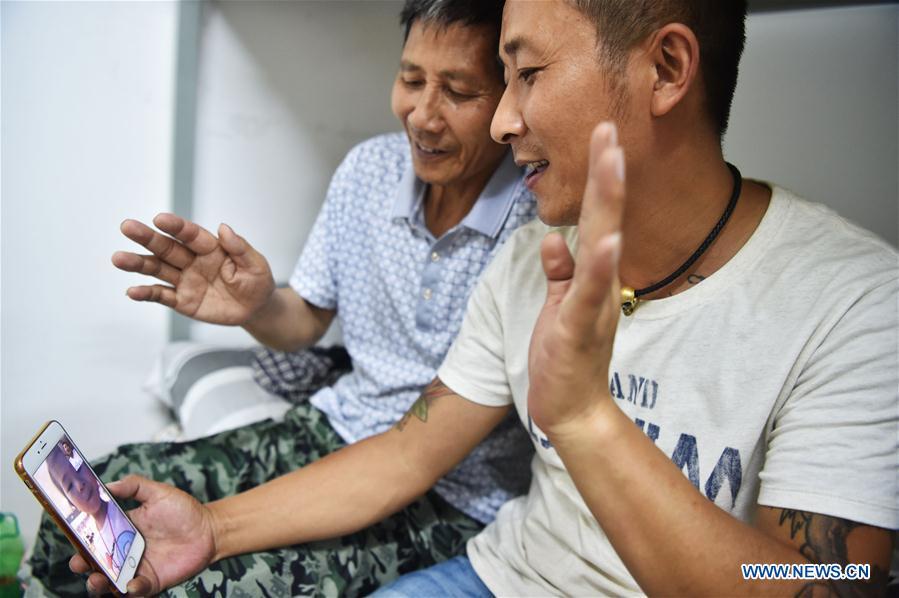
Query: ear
column 675, row 51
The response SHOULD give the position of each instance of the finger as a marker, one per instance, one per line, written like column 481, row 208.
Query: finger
column 137, row 487
column 156, row 293
column 594, row 278
column 165, row 248
column 593, row 291
column 195, row 237
column 146, row 264
column 78, row 565
column 558, row 265
column 97, row 584
column 140, row 586
column 595, row 275
column 601, row 210
column 243, row 254
column 557, row 261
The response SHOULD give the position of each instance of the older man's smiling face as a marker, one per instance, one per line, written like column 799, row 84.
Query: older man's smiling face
column 445, row 94
column 555, row 95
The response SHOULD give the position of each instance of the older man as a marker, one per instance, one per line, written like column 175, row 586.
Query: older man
column 749, row 334
column 407, row 226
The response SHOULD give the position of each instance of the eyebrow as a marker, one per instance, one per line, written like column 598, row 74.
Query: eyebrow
column 515, row 44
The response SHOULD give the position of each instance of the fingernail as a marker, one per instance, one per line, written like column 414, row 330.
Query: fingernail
column 612, row 241
column 618, row 158
column 606, row 130
column 612, row 132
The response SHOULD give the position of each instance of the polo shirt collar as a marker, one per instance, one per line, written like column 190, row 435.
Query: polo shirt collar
column 488, row 213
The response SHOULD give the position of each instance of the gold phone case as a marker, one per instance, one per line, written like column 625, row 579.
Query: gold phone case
column 20, row 469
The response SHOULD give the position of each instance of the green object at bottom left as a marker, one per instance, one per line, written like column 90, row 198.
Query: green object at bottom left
column 11, row 550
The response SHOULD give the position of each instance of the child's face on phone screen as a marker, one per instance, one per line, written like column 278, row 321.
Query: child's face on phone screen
column 78, row 485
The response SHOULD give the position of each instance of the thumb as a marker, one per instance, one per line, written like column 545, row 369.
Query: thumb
column 137, row 487
column 557, row 261
column 558, row 265
column 241, row 252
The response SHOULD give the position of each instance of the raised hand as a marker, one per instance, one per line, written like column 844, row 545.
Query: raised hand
column 568, row 361
column 221, row 279
column 178, row 531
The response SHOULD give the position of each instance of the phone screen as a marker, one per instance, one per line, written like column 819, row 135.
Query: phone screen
column 79, row 498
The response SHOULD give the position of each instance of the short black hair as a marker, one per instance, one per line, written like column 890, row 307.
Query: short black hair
column 449, row 12
column 719, row 26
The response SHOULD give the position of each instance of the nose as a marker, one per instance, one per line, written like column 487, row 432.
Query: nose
column 425, row 115
column 507, row 123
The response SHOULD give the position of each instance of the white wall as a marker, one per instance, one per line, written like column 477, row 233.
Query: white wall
column 285, row 90
column 86, row 141
column 817, row 109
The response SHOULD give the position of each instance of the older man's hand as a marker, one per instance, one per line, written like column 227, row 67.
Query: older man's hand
column 221, row 279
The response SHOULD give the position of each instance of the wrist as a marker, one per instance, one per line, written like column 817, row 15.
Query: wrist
column 264, row 312
column 598, row 423
column 219, row 525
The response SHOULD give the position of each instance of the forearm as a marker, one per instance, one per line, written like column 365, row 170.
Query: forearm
column 340, row 494
column 671, row 538
column 287, row 322
column 360, row 484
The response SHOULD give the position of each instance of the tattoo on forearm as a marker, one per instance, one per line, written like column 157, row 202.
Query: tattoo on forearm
column 419, row 409
column 824, row 541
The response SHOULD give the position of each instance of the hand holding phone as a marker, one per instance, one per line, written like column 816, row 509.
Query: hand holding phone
column 63, row 482
column 178, row 533
column 178, row 540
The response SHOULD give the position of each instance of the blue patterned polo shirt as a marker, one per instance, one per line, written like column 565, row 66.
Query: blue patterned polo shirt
column 400, row 295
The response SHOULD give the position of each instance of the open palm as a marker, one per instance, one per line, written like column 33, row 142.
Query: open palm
column 571, row 346
column 221, row 280
column 178, row 534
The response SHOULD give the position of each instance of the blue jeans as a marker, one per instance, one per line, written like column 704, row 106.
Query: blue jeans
column 455, row 578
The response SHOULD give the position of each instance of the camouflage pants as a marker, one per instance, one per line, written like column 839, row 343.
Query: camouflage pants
column 427, row 532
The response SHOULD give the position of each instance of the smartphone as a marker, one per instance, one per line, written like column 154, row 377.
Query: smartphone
column 66, row 486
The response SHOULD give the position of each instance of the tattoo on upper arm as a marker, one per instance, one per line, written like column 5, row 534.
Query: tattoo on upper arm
column 419, row 409
column 824, row 541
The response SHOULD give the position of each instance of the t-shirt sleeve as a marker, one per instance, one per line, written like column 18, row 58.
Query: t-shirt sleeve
column 315, row 277
column 834, row 447
column 475, row 367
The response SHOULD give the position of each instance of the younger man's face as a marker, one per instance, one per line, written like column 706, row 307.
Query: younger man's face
column 555, row 95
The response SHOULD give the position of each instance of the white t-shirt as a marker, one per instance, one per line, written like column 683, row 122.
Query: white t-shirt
column 774, row 381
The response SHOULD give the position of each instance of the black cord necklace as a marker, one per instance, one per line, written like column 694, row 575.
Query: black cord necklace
column 631, row 298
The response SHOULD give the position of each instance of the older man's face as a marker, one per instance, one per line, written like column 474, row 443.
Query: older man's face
column 555, row 95
column 445, row 95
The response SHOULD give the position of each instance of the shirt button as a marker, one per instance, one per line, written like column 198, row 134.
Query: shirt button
column 435, row 256
column 426, row 294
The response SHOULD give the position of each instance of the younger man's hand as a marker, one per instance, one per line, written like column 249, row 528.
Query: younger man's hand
column 571, row 347
column 179, row 537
